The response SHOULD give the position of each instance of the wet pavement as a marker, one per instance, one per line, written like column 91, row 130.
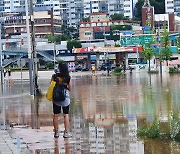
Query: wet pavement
column 106, row 112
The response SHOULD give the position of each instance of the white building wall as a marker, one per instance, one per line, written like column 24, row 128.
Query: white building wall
column 169, row 6
column 92, row 6
column 129, row 6
column 116, row 6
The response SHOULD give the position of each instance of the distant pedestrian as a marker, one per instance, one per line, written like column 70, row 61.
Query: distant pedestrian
column 130, row 68
column 10, row 81
column 124, row 68
column 9, row 72
column 5, row 73
column 64, row 78
column 93, row 68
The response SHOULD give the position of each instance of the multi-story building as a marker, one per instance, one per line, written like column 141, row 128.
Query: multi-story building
column 177, row 7
column 18, row 6
column 116, row 6
column 125, row 7
column 129, row 8
column 171, row 21
column 71, row 12
column 45, row 23
column 169, row 6
column 49, row 4
column 172, row 6
column 99, row 27
column 95, row 6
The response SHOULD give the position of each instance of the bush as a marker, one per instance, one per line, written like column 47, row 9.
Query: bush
column 152, row 132
column 117, row 70
column 50, row 65
column 174, row 70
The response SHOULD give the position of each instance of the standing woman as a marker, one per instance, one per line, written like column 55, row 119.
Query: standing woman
column 63, row 77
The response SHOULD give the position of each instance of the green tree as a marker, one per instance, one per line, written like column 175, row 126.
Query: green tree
column 178, row 43
column 71, row 32
column 165, row 51
column 50, row 37
column 73, row 44
column 148, row 54
column 121, row 27
column 86, row 19
column 159, row 7
column 118, row 17
column 57, row 38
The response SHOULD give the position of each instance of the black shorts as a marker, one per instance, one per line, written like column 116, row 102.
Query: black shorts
column 57, row 109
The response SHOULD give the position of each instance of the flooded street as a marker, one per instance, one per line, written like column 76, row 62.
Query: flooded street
column 105, row 113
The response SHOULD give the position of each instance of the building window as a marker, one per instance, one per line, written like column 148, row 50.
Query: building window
column 87, row 34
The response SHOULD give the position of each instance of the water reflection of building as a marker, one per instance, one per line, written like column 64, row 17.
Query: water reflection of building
column 96, row 139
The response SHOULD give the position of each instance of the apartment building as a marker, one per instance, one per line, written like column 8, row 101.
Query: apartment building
column 71, row 12
column 169, row 6
column 45, row 23
column 177, row 7
column 95, row 6
column 129, row 8
column 18, row 6
column 172, row 6
column 125, row 7
column 116, row 6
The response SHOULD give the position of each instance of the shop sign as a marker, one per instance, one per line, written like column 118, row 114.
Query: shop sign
column 132, row 55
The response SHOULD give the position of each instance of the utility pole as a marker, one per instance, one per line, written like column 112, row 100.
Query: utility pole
column 29, row 49
column 33, row 48
column 1, row 58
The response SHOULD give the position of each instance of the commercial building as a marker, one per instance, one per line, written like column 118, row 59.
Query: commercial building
column 171, row 21
column 45, row 23
column 99, row 27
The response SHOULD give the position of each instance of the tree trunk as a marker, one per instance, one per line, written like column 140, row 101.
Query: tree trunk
column 167, row 62
column 149, row 66
column 161, row 67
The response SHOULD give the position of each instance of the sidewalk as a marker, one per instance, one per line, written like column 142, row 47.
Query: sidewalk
column 48, row 74
column 6, row 143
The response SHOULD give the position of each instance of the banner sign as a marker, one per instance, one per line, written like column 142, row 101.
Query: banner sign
column 107, row 49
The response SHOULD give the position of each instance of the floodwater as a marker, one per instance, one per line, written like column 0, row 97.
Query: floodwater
column 105, row 113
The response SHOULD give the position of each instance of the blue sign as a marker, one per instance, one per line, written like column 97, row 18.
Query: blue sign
column 146, row 27
column 127, row 32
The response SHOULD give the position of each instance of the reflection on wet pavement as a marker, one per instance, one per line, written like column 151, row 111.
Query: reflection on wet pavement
column 106, row 112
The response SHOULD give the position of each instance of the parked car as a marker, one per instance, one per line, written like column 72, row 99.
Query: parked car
column 113, row 66
column 104, row 67
column 78, row 68
column 85, row 69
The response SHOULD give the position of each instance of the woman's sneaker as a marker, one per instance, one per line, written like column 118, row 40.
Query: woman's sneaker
column 67, row 134
column 56, row 134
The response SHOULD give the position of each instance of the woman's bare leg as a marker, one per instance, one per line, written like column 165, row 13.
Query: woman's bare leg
column 55, row 122
column 66, row 122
